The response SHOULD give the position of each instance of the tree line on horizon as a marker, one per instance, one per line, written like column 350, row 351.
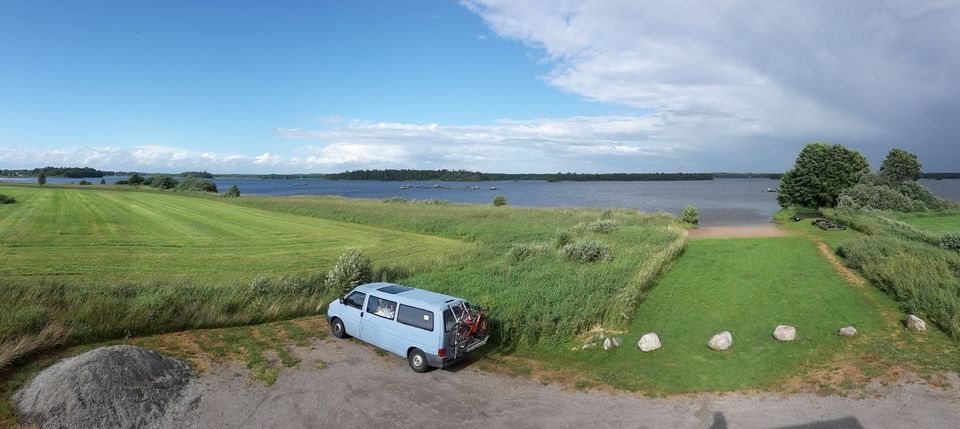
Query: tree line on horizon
column 422, row 175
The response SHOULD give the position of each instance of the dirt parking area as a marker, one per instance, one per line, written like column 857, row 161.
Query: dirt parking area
column 355, row 386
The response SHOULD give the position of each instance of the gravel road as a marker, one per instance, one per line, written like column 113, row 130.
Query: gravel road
column 360, row 388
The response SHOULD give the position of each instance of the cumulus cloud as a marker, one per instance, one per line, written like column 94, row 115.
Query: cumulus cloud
column 867, row 73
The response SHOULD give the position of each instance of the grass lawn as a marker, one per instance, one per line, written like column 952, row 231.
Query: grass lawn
column 746, row 286
column 99, row 236
column 937, row 222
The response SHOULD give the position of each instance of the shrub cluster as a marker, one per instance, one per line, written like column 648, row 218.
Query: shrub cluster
column 352, row 269
column 950, row 241
column 877, row 197
column 523, row 251
column 562, row 238
column 161, row 181
column 586, row 250
column 604, row 226
column 6, row 199
column 193, row 184
column 499, row 201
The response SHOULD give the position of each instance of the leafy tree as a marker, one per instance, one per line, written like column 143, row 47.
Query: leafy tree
column 233, row 192
column 822, row 171
column 103, row 181
column 41, row 179
column 499, row 200
column 192, row 184
column 900, row 166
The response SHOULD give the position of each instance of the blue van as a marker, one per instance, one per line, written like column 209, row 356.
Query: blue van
column 424, row 327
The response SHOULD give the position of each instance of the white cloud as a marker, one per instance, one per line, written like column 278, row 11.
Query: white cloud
column 872, row 73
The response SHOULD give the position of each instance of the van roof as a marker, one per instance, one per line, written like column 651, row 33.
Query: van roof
column 407, row 295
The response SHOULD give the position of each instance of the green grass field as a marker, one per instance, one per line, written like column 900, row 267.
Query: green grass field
column 98, row 236
column 745, row 286
column 937, row 222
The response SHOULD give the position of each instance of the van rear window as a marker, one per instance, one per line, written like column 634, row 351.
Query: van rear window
column 416, row 317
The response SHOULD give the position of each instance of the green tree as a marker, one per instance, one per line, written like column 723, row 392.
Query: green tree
column 822, row 171
column 41, row 179
column 352, row 269
column 233, row 192
column 103, row 181
column 900, row 166
column 499, row 200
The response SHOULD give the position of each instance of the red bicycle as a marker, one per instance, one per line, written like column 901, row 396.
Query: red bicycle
column 471, row 323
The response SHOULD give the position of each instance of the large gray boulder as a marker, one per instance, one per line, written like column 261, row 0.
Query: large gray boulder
column 915, row 323
column 649, row 342
column 785, row 333
column 116, row 387
column 721, row 341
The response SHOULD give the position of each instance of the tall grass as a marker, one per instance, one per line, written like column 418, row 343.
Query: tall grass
column 37, row 316
column 533, row 297
column 924, row 279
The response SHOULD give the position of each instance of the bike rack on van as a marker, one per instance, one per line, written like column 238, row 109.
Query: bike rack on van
column 465, row 346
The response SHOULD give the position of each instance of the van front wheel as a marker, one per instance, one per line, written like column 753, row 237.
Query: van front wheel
column 336, row 326
column 418, row 360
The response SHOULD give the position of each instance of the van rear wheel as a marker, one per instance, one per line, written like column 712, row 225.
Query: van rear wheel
column 336, row 327
column 418, row 360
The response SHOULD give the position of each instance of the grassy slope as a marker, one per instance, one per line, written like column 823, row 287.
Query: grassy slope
column 109, row 236
column 746, row 286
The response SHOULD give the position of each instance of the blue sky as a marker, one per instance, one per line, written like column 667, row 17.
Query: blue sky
column 513, row 86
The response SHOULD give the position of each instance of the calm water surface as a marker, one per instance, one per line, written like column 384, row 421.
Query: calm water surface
column 721, row 202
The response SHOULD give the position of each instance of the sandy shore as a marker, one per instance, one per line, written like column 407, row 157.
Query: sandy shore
column 754, row 231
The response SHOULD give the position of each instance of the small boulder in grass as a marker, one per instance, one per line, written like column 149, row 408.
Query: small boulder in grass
column 847, row 331
column 721, row 341
column 915, row 323
column 785, row 333
column 649, row 342
column 610, row 342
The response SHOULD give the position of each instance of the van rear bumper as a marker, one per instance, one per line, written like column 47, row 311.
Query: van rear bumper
column 438, row 362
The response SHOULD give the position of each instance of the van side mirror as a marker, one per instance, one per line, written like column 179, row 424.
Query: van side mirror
column 341, row 300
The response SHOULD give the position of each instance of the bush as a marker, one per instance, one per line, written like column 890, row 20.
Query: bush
column 5, row 199
column 881, row 197
column 233, row 192
column 134, row 180
column 586, row 251
column 353, row 268
column 604, row 226
column 393, row 200
column 562, row 238
column 260, row 285
column 690, row 215
column 922, row 194
column 523, row 251
column 84, row 183
column 499, row 201
column 162, row 182
column 950, row 241
column 122, row 182
column 103, row 181
column 192, row 184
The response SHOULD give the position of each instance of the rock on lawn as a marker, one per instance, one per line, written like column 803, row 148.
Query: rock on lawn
column 649, row 342
column 785, row 333
column 914, row 323
column 721, row 341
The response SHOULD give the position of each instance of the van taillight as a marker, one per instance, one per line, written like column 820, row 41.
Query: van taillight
column 441, row 352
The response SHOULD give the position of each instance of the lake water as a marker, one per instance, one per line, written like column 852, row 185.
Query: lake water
column 721, row 202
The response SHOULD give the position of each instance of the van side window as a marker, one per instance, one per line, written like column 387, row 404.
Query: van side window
column 355, row 300
column 381, row 307
column 416, row 317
